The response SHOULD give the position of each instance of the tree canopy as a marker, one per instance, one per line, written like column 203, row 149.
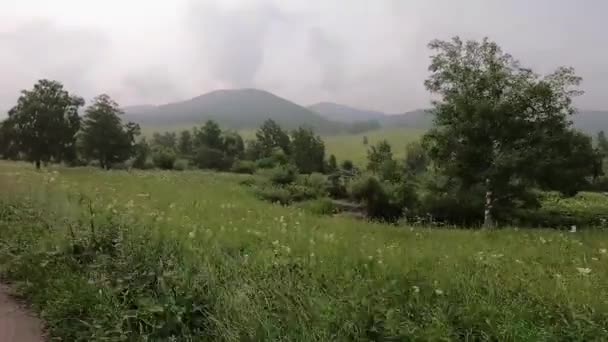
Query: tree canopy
column 104, row 137
column 500, row 125
column 45, row 122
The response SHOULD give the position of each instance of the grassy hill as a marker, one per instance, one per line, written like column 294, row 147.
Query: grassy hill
column 238, row 109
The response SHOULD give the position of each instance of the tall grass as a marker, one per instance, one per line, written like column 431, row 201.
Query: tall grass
column 195, row 256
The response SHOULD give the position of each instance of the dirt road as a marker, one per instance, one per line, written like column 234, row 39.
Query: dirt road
column 17, row 324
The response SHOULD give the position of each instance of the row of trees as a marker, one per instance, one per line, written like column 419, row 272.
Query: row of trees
column 209, row 147
column 45, row 126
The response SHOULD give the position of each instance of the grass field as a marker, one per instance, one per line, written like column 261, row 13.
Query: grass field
column 351, row 146
column 195, row 256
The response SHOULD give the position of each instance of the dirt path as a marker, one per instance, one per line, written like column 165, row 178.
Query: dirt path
column 16, row 323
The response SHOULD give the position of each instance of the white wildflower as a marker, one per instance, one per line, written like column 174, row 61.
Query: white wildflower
column 439, row 292
column 416, row 289
column 191, row 234
column 583, row 270
column 573, row 229
column 603, row 251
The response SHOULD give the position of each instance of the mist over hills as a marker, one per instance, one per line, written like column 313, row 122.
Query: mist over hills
column 238, row 109
column 248, row 108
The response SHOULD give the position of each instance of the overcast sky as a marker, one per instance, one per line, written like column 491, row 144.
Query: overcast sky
column 365, row 53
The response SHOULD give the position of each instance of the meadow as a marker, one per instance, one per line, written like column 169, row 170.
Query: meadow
column 160, row 255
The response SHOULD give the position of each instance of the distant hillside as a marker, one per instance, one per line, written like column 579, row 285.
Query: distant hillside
column 238, row 109
column 341, row 113
column 420, row 118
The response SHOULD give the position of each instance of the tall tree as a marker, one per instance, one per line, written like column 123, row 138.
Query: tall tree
column 308, row 151
column 271, row 136
column 210, row 135
column 185, row 145
column 104, row 137
column 378, row 155
column 9, row 149
column 45, row 122
column 232, row 144
column 501, row 127
column 167, row 140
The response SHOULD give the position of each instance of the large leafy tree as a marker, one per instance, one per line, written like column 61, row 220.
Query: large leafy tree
column 210, row 136
column 308, row 151
column 501, row 127
column 184, row 145
column 45, row 122
column 379, row 154
column 9, row 149
column 271, row 136
column 104, row 137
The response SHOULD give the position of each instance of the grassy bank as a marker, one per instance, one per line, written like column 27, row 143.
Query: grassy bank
column 194, row 255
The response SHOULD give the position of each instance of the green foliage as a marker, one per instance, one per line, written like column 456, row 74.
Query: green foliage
column 416, row 159
column 167, row 140
column 265, row 163
column 243, row 166
column 116, row 255
column 210, row 135
column 320, row 206
column 103, row 136
column 332, row 164
column 316, row 181
column 210, row 158
column 284, row 175
column 271, row 136
column 307, row 151
column 371, row 191
column 347, row 165
column 45, row 122
column 378, row 155
column 181, row 165
column 602, row 143
column 9, row 148
column 274, row 194
column 500, row 126
column 185, row 145
column 164, row 158
column 232, row 144
column 141, row 153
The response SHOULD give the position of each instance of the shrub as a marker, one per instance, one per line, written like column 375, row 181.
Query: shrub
column 315, row 181
column 371, row 191
column 283, row 175
column 274, row 194
column 164, row 158
column 299, row 193
column 211, row 158
column 320, row 206
column 265, row 163
column 243, row 166
column 181, row 164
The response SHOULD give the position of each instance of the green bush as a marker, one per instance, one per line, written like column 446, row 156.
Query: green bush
column 265, row 163
column 181, row 164
column 211, row 158
column 274, row 194
column 164, row 158
column 316, row 181
column 300, row 193
column 369, row 190
column 284, row 175
column 243, row 166
column 320, row 206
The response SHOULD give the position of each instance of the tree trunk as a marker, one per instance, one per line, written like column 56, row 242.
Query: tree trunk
column 37, row 164
column 488, row 221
